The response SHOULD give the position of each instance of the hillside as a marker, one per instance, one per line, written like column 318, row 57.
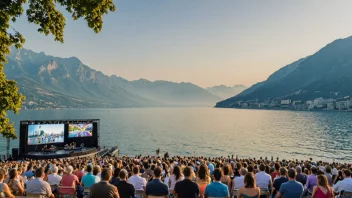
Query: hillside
column 226, row 91
column 53, row 82
column 327, row 74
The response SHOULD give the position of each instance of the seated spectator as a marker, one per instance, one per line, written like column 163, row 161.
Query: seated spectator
column 78, row 172
column 203, row 179
column 187, row 188
column 249, row 190
column 238, row 182
column 96, row 173
column 276, row 171
column 175, row 177
column 38, row 186
column 126, row 190
column 216, row 189
column 312, row 180
column 4, row 189
column 54, row 179
column 14, row 184
column 328, row 174
column 322, row 189
column 69, row 180
column 280, row 180
column 137, row 181
column 292, row 188
column 104, row 188
column 263, row 179
column 29, row 173
column 345, row 184
column 89, row 179
column 301, row 177
column 156, row 187
column 115, row 178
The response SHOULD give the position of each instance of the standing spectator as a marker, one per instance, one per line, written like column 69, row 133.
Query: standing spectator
column 104, row 188
column 278, row 181
column 216, row 189
column 187, row 188
column 249, row 190
column 322, row 189
column 292, row 188
column 312, row 180
column 126, row 190
column 263, row 179
column 4, row 189
column 345, row 184
column 38, row 186
column 156, row 187
column 137, row 181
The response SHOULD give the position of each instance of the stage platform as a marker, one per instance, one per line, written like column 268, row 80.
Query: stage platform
column 62, row 153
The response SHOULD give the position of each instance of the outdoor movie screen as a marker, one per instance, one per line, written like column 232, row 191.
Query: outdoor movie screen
column 80, row 130
column 45, row 133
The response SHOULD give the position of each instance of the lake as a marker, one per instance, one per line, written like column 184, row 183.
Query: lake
column 214, row 132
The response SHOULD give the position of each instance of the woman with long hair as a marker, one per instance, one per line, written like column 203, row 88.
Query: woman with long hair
column 322, row 189
column 225, row 179
column 14, row 184
column 203, row 179
column 249, row 190
column 174, row 178
column 339, row 177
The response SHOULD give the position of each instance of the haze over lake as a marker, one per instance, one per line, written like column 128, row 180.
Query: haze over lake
column 214, row 132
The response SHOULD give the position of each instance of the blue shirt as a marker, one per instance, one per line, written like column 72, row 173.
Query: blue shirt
column 29, row 174
column 211, row 168
column 88, row 180
column 291, row 189
column 216, row 189
column 157, row 188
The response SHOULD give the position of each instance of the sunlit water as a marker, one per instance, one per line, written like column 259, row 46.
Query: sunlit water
column 215, row 132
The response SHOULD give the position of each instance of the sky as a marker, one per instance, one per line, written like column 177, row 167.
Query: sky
column 206, row 42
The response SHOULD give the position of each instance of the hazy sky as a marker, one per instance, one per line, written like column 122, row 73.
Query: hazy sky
column 206, row 42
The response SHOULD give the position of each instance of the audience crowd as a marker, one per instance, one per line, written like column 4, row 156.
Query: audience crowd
column 181, row 177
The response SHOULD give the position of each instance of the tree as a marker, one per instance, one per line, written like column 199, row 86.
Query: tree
column 50, row 21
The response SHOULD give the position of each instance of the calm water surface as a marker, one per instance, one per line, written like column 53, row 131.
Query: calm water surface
column 215, row 132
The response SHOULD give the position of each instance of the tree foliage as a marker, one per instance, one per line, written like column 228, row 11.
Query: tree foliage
column 50, row 21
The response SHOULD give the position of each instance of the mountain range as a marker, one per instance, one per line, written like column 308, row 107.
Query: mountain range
column 327, row 73
column 226, row 91
column 54, row 82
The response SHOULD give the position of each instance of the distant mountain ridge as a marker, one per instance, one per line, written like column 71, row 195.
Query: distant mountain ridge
column 327, row 74
column 224, row 91
column 53, row 82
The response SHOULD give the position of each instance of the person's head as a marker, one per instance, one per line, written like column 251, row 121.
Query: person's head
column 54, row 170
column 13, row 173
column 157, row 173
column 89, row 168
column 249, row 180
column 322, row 180
column 314, row 170
column 177, row 172
column 244, row 171
column 227, row 169
column 69, row 170
column 250, row 168
column 135, row 170
column 291, row 165
column 203, row 172
column 188, row 172
column 346, row 173
column 123, row 174
column 283, row 171
column 217, row 174
column 328, row 169
column 39, row 172
column 292, row 173
column 117, row 172
column 261, row 167
column 106, row 174
column 2, row 174
column 298, row 169
column 96, row 170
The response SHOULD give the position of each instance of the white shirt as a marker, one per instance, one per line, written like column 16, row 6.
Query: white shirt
column 138, row 182
column 54, row 179
column 263, row 179
column 173, row 181
column 344, row 185
column 239, row 182
column 335, row 171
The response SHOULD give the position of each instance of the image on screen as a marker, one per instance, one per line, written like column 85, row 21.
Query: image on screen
column 80, row 130
column 45, row 134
